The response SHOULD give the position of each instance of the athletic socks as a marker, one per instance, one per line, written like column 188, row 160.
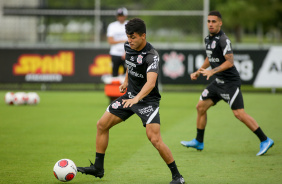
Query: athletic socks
column 260, row 134
column 173, row 168
column 99, row 161
column 200, row 135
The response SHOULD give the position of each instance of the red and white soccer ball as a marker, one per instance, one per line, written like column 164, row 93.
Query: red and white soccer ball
column 9, row 98
column 20, row 98
column 32, row 98
column 65, row 170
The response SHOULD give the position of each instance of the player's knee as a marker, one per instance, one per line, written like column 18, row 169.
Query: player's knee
column 200, row 109
column 156, row 142
column 238, row 115
column 100, row 126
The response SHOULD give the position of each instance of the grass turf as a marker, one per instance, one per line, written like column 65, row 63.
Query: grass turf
column 63, row 125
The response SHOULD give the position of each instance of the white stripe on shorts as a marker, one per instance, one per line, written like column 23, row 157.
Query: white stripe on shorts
column 152, row 115
column 234, row 97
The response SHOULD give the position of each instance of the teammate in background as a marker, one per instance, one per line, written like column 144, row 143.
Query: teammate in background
column 226, row 85
column 116, row 38
column 142, row 98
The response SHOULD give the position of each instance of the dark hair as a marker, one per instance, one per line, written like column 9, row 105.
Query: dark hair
column 135, row 25
column 215, row 13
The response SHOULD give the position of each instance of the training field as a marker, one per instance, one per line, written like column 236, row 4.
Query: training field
column 63, row 125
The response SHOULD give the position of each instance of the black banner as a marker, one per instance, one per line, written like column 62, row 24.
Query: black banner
column 88, row 65
column 177, row 65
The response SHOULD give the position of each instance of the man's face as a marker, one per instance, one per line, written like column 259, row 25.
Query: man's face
column 214, row 24
column 136, row 41
column 121, row 18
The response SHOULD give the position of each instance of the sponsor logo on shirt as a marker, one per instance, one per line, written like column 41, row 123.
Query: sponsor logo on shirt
column 130, row 64
column 213, row 60
column 139, row 59
column 136, row 74
column 213, row 44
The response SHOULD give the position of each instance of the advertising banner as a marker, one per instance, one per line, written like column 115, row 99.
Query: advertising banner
column 263, row 68
column 270, row 74
column 177, row 65
column 54, row 65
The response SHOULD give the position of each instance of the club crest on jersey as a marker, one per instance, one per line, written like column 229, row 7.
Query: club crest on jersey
column 205, row 93
column 173, row 66
column 213, row 44
column 116, row 105
column 139, row 59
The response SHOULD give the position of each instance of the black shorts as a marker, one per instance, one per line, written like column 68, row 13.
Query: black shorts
column 231, row 94
column 147, row 111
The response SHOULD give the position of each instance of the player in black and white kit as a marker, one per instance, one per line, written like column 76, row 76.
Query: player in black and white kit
column 142, row 98
column 226, row 85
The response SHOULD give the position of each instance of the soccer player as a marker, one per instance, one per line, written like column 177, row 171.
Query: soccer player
column 142, row 98
column 226, row 85
column 116, row 38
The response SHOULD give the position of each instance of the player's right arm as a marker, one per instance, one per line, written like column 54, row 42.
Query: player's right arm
column 123, row 86
column 196, row 74
column 110, row 35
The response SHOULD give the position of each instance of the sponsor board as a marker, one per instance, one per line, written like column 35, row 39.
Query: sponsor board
column 270, row 74
column 263, row 68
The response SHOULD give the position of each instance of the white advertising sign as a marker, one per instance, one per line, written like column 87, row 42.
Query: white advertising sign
column 270, row 73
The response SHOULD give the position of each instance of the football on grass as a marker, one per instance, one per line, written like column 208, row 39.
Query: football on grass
column 65, row 170
column 9, row 98
column 32, row 98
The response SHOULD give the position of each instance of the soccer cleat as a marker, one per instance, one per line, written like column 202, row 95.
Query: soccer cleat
column 177, row 180
column 264, row 146
column 193, row 144
column 92, row 170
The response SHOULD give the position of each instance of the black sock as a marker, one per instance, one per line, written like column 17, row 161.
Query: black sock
column 99, row 161
column 173, row 168
column 200, row 135
column 260, row 134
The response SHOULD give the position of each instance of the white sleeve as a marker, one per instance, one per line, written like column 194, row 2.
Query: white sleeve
column 110, row 30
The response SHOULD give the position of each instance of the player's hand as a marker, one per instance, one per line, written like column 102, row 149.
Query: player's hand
column 195, row 75
column 122, row 88
column 207, row 73
column 129, row 102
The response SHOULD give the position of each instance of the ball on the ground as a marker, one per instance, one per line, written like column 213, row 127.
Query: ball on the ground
column 33, row 98
column 9, row 98
column 20, row 98
column 65, row 170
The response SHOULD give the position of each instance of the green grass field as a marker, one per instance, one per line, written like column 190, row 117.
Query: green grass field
column 63, row 125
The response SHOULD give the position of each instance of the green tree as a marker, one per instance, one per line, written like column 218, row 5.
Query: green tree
column 248, row 14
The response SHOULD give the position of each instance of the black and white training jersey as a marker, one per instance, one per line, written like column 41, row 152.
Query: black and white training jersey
column 138, row 64
column 217, row 47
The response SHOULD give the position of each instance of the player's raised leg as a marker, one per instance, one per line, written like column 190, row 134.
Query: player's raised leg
column 154, row 135
column 107, row 121
column 198, row 142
